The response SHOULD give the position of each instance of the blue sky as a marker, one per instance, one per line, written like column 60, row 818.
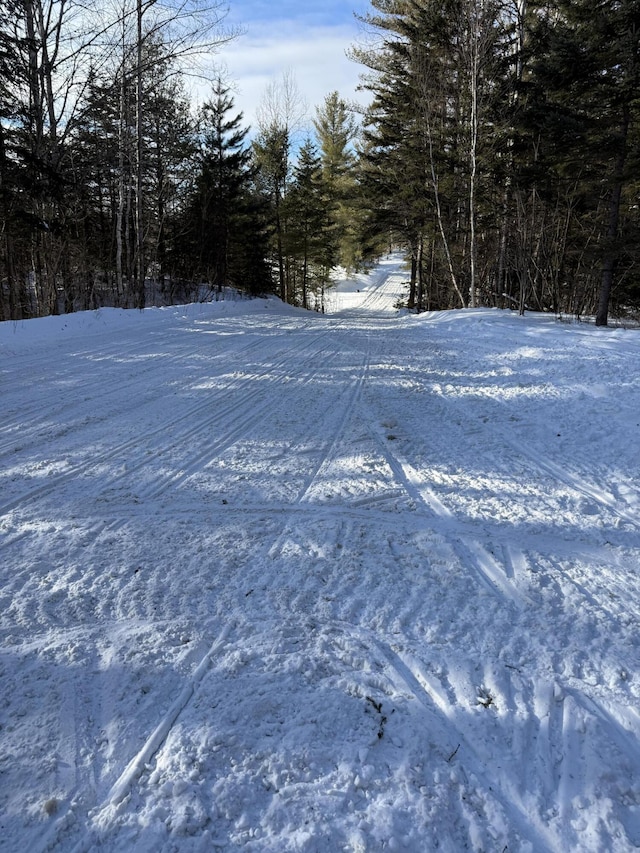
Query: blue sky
column 308, row 38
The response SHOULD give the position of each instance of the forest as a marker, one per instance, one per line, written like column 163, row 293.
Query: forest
column 499, row 151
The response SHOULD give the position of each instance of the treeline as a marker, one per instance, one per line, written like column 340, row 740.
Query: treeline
column 113, row 192
column 500, row 150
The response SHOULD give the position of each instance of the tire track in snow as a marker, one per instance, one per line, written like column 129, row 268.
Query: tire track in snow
column 52, row 403
column 496, row 577
column 410, row 678
column 562, row 474
column 246, row 414
column 103, row 814
column 563, row 750
column 168, row 427
column 377, row 299
column 577, row 484
column 560, row 724
column 332, row 442
column 353, row 393
column 52, row 406
column 73, row 372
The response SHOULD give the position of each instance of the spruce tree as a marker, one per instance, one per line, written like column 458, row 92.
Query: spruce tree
column 310, row 242
column 219, row 207
column 432, row 124
column 577, row 113
column 336, row 130
column 271, row 151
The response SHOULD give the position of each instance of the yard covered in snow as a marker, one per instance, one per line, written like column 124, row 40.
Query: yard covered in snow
column 275, row 581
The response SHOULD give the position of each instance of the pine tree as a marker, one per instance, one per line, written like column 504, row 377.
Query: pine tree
column 170, row 151
column 597, row 52
column 105, row 182
column 271, row 150
column 226, row 219
column 574, row 158
column 309, row 240
column 336, row 130
column 432, row 122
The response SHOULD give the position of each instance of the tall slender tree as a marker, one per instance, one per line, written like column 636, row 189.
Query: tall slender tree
column 280, row 117
column 309, row 241
column 225, row 170
column 336, row 131
column 271, row 150
column 12, row 297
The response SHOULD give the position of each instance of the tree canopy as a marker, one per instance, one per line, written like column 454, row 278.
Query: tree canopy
column 499, row 150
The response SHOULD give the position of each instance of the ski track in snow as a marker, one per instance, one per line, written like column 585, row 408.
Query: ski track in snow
column 281, row 582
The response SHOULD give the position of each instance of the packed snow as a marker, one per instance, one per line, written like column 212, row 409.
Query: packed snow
column 280, row 581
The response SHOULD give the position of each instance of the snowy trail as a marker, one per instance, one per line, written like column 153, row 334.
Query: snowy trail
column 282, row 582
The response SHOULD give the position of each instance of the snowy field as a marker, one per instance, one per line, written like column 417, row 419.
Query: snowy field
column 274, row 581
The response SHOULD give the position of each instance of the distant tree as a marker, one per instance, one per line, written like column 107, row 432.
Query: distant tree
column 225, row 219
column 271, row 150
column 279, row 119
column 309, row 240
column 336, row 130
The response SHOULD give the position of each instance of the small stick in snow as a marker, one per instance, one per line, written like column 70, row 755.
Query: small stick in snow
column 453, row 754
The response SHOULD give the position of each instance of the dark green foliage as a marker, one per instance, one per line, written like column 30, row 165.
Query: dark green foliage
column 98, row 183
column 586, row 74
column 501, row 149
column 226, row 222
column 309, row 242
column 271, row 150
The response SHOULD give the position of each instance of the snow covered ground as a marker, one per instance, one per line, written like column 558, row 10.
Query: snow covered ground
column 275, row 581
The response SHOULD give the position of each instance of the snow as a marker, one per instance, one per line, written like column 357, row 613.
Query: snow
column 278, row 581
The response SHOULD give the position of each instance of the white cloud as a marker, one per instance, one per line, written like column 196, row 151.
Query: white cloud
column 316, row 57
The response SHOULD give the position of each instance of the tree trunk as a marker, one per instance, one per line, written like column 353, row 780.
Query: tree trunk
column 139, row 210
column 411, row 302
column 474, row 62
column 281, row 272
column 419, row 273
column 10, row 311
column 611, row 253
column 121, row 187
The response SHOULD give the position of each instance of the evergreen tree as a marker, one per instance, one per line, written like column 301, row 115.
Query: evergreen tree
column 309, row 241
column 336, row 131
column 585, row 73
column 431, row 130
column 170, row 152
column 105, row 180
column 226, row 219
column 271, row 150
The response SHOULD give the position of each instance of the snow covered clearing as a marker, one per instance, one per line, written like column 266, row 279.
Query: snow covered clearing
column 275, row 581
